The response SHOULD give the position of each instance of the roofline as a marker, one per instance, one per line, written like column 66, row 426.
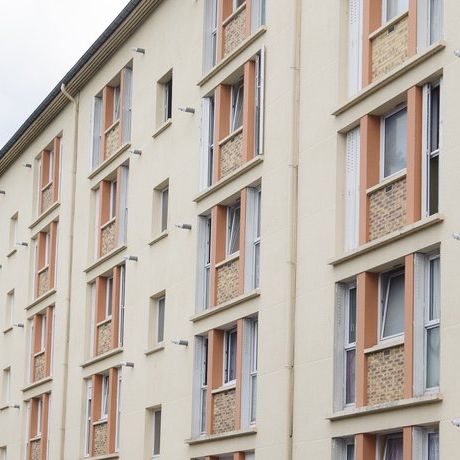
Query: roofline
column 84, row 61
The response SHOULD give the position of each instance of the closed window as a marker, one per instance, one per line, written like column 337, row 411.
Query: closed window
column 39, row 416
column 207, row 141
column 205, row 249
column 160, row 319
column 88, row 408
column 432, row 323
column 350, row 344
column 230, row 343
column 392, row 311
column 164, row 208
column 237, row 95
column 394, row 145
column 156, row 433
column 393, row 8
column 6, row 385
column 167, row 109
column 435, row 20
column 432, row 445
column 203, row 363
column 350, row 450
column 233, row 229
column 210, row 34
column 254, row 349
column 116, row 103
column 393, row 447
column 13, row 231
column 113, row 199
column 352, row 183
column 109, row 297
column 9, row 310
column 105, row 397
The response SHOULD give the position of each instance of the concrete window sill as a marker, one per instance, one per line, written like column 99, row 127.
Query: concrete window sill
column 162, row 128
column 109, row 160
column 36, row 384
column 217, row 437
column 159, row 237
column 105, row 257
column 44, row 215
column 101, row 357
column 42, row 298
column 155, row 349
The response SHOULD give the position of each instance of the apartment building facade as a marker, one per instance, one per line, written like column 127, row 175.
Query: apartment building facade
column 184, row 277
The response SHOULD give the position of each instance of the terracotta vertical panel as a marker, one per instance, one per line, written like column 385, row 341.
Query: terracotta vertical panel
column 222, row 123
column 248, row 13
column 45, row 417
column 215, row 372
column 365, row 446
column 57, row 168
column 239, row 372
column 116, row 305
column 104, row 209
column 414, row 154
column 95, row 406
column 45, row 168
column 369, row 169
column 225, row 8
column 112, row 417
column 239, row 456
column 407, row 443
column 409, row 326
column 372, row 20
column 33, row 417
column 248, row 110
column 53, row 253
column 107, row 114
column 367, row 321
column 101, row 295
column 218, row 243
column 41, row 240
column 48, row 340
column 243, row 220
column 412, row 45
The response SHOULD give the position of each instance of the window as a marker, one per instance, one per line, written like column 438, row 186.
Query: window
column 113, row 199
column 9, row 310
column 116, row 103
column 258, row 14
column 156, row 433
column 350, row 450
column 105, row 397
column 207, row 141
column 108, row 297
column 393, row 8
column 237, row 4
column 252, row 238
column 204, row 288
column 237, row 95
column 344, row 449
column 117, row 428
column 164, row 208
column 160, row 319
column 43, row 333
column 355, row 45
column 429, row 22
column 392, row 312
column 6, row 386
column 121, row 331
column 233, row 229
column 167, row 101
column 435, row 20
column 431, row 138
column 393, row 447
column 39, row 416
column 350, row 344
column 257, row 241
column 210, row 34
column 352, row 183
column 394, row 145
column 253, row 368
column 230, row 356
column 3, row 453
column 13, row 231
column 432, row 323
column 432, row 445
column 96, row 156
column 203, row 362
column 259, row 104
column 88, row 408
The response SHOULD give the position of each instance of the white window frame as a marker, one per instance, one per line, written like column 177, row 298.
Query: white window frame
column 253, row 363
column 113, row 199
column 384, row 302
column 88, row 421
column 6, row 385
column 167, row 95
column 164, row 208
column 231, row 227
column 259, row 106
column 156, row 453
column 385, row 17
column 39, row 416
column 210, row 34
column 252, row 238
column 203, row 295
column 355, row 46
column 96, row 126
column 14, row 230
column 236, row 100
column 43, row 332
column 109, row 297
column 9, row 312
column 105, row 389
column 47, row 248
column 122, row 300
column 349, row 346
column 207, row 141
column 203, row 383
column 118, row 419
column 388, row 437
column 424, row 21
column 116, row 103
column 428, row 154
column 382, row 142
column 227, row 368
column 160, row 305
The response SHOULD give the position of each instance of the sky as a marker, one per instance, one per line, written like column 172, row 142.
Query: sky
column 40, row 40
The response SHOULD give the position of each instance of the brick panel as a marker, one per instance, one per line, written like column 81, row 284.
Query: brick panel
column 47, row 197
column 390, row 49
column 387, row 209
column 235, row 32
column 112, row 141
column 385, row 380
column 104, row 337
column 108, row 238
column 101, row 437
column 231, row 155
column 39, row 367
column 35, row 449
column 224, row 411
column 43, row 282
column 228, row 276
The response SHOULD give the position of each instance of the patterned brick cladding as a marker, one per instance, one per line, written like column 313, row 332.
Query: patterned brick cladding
column 228, row 276
column 43, row 282
column 235, row 32
column 108, row 238
column 35, row 448
column 39, row 367
column 387, row 209
column 390, row 48
column 231, row 155
column 112, row 141
column 224, row 411
column 101, row 438
column 385, row 380
column 104, row 337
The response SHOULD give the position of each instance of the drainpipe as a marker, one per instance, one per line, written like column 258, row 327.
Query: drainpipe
column 65, row 363
column 293, row 219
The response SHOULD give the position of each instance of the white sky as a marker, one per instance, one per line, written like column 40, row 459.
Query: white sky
column 40, row 40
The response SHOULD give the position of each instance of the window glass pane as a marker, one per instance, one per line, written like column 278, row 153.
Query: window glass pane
column 435, row 20
column 350, row 452
column 433, row 446
column 108, row 307
column 257, row 265
column 395, row 7
column 435, row 295
column 164, row 209
column 238, row 3
column 394, row 449
column 352, row 316
column 234, row 230
column 237, row 106
column 432, row 358
column 161, row 319
column 395, row 143
column 157, row 432
column 434, row 185
column 253, row 397
column 394, row 306
column 230, row 373
column 434, row 119
column 350, row 377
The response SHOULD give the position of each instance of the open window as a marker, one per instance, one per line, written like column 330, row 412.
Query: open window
column 394, row 142
column 233, row 228
column 230, row 345
column 392, row 304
